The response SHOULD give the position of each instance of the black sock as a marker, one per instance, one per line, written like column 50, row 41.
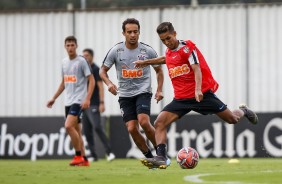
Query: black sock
column 85, row 158
column 78, row 153
column 161, row 150
column 148, row 154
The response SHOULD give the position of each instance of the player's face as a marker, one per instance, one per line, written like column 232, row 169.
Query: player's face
column 71, row 47
column 131, row 34
column 87, row 56
column 169, row 39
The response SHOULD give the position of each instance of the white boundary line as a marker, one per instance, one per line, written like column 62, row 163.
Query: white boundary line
column 197, row 178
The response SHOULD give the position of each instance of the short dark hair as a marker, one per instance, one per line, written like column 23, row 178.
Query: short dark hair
column 165, row 27
column 71, row 39
column 130, row 21
column 90, row 51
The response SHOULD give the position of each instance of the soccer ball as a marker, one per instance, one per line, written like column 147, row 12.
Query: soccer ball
column 187, row 158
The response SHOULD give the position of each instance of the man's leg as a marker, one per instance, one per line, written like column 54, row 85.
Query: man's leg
column 163, row 120
column 133, row 129
column 234, row 116
column 70, row 125
column 143, row 110
column 144, row 121
column 79, row 129
column 88, row 130
column 99, row 129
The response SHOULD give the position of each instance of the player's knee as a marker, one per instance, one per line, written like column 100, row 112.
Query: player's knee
column 69, row 128
column 159, row 124
column 145, row 124
column 132, row 129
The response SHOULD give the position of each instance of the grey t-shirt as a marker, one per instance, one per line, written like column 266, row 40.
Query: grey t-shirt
column 75, row 74
column 131, row 81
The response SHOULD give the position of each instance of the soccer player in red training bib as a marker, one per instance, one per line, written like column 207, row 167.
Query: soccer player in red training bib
column 194, row 88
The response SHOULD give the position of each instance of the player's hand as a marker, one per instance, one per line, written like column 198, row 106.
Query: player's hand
column 102, row 107
column 159, row 96
column 199, row 95
column 85, row 104
column 50, row 103
column 140, row 64
column 113, row 89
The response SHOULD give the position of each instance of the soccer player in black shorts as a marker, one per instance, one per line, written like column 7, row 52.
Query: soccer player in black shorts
column 194, row 88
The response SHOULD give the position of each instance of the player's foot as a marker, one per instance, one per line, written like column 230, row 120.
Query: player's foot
column 111, row 157
column 249, row 114
column 76, row 160
column 84, row 163
column 159, row 162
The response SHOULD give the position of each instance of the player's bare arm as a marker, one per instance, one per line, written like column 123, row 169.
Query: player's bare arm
column 160, row 79
column 112, row 88
column 101, row 96
column 57, row 94
column 198, row 81
column 91, row 84
column 154, row 61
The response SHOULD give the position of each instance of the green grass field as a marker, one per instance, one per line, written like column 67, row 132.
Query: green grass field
column 130, row 171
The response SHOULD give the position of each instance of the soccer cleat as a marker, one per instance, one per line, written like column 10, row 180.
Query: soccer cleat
column 76, row 160
column 157, row 162
column 249, row 114
column 111, row 157
column 84, row 163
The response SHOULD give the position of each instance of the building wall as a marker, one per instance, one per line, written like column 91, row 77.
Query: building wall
column 240, row 43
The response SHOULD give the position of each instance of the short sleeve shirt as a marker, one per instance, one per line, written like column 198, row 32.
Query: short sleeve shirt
column 75, row 73
column 131, row 81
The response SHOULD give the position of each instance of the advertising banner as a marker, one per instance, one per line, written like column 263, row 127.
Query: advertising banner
column 46, row 138
column 211, row 137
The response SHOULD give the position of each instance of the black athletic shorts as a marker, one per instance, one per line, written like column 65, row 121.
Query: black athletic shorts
column 74, row 109
column 130, row 107
column 209, row 105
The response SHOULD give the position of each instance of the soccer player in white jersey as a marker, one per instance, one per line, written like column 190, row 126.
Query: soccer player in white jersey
column 134, row 85
column 76, row 74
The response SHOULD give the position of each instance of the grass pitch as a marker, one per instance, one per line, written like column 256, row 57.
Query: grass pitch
column 130, row 171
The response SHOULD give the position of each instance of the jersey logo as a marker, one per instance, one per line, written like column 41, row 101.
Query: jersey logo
column 120, row 50
column 143, row 51
column 141, row 57
column 70, row 79
column 186, row 49
column 178, row 71
column 132, row 73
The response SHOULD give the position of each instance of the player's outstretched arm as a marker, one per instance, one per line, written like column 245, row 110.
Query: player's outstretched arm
column 154, row 61
column 57, row 94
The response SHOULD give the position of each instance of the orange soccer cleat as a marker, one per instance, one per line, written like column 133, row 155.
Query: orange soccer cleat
column 76, row 160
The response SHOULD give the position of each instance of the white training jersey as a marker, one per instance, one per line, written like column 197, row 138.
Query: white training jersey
column 75, row 74
column 131, row 81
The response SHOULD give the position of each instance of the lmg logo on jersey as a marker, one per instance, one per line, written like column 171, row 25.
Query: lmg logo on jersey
column 70, row 79
column 132, row 73
column 179, row 70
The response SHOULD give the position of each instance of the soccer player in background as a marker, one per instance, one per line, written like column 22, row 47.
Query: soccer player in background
column 134, row 85
column 91, row 117
column 76, row 74
column 194, row 88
